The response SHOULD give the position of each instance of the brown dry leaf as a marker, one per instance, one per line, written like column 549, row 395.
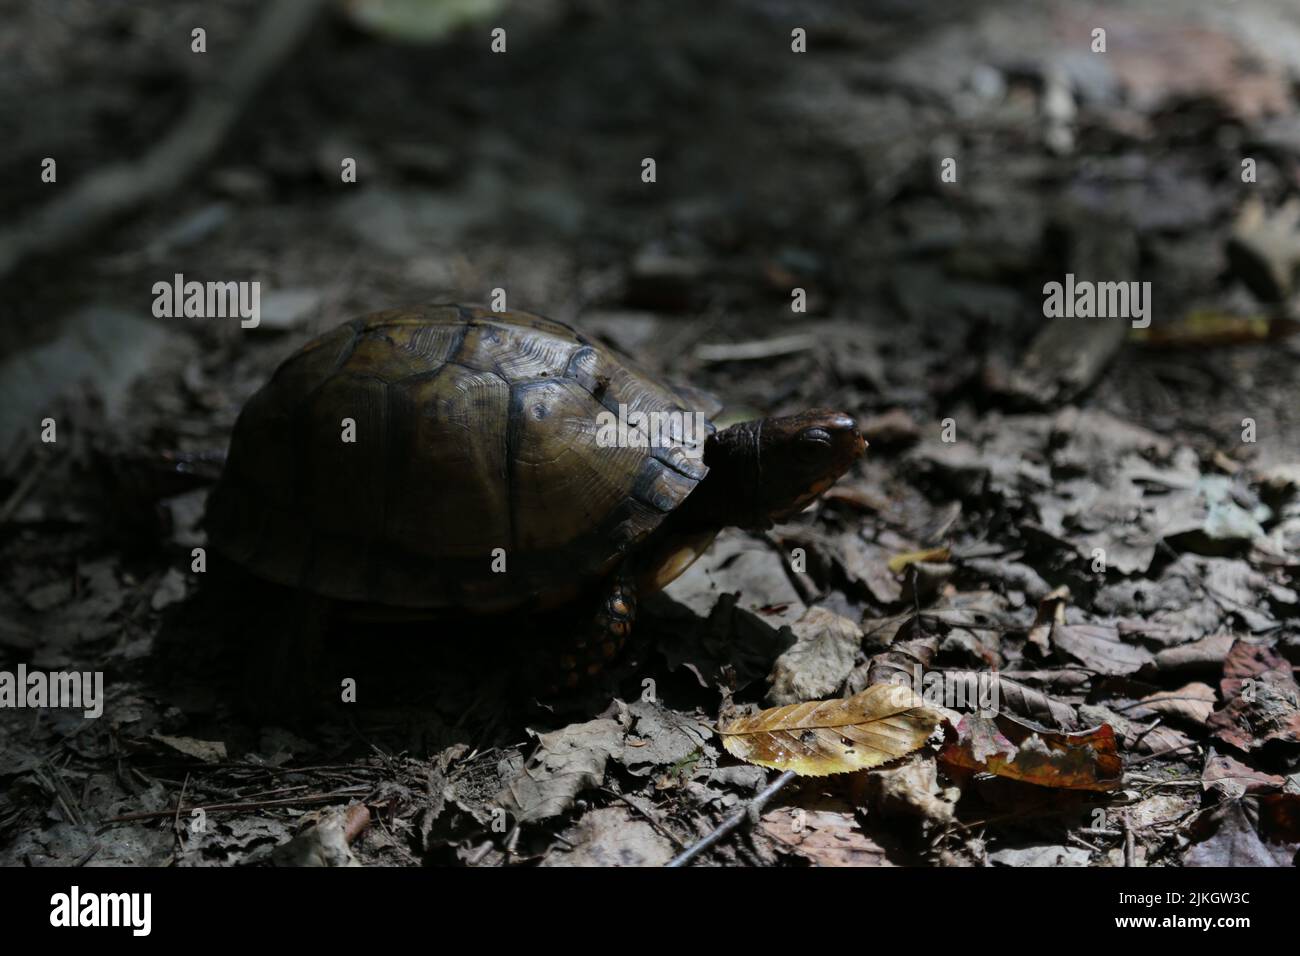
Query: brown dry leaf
column 893, row 427
column 1250, row 831
column 1262, row 698
column 1027, row 702
column 864, row 563
column 822, row 656
column 1192, row 703
column 1087, row 760
column 1206, row 652
column 826, row 835
column 1100, row 647
column 905, row 661
column 1040, row 855
column 1051, row 613
column 1230, row 777
column 910, row 789
column 566, row 762
column 820, row 737
column 324, row 843
column 610, row 836
column 1161, row 739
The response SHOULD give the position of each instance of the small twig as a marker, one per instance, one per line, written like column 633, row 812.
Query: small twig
column 1075, row 838
column 794, row 577
column 1152, row 784
column 1160, row 753
column 1099, row 831
column 750, row 811
column 24, row 488
column 323, row 769
column 89, row 855
column 396, row 844
column 54, row 780
column 255, row 805
column 180, row 802
column 1130, row 842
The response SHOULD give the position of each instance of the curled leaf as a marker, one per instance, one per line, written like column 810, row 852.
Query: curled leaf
column 1261, row 698
column 900, row 561
column 1051, row 613
column 1087, row 760
column 820, row 737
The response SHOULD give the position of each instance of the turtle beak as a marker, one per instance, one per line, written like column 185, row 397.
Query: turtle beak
column 860, row 446
column 849, row 437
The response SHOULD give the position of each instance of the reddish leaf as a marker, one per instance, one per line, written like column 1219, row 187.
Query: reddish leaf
column 1233, row 778
column 1252, row 831
column 1088, row 760
column 1262, row 699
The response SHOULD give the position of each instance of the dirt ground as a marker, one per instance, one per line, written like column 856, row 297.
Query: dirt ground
column 1101, row 521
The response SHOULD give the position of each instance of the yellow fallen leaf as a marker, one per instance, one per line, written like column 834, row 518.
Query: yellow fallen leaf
column 883, row 723
column 900, row 561
column 1205, row 329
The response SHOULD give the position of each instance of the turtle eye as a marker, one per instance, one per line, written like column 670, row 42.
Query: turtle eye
column 813, row 442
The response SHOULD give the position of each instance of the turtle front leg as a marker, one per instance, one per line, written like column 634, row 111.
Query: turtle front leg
column 605, row 635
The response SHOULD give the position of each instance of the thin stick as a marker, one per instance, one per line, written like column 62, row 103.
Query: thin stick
column 750, row 811
column 794, row 577
column 180, row 802
column 23, row 490
column 255, row 805
column 1161, row 753
column 54, row 780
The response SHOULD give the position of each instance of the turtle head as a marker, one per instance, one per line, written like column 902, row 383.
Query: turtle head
column 770, row 469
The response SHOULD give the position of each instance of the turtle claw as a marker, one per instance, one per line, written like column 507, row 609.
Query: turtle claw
column 598, row 645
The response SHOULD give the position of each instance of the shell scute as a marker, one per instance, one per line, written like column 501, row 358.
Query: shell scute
column 474, row 431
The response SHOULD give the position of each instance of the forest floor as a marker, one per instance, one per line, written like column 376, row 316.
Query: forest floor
column 1109, row 516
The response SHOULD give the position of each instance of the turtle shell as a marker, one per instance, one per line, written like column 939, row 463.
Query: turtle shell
column 473, row 431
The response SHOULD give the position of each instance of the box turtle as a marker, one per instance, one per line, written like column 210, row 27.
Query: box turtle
column 450, row 457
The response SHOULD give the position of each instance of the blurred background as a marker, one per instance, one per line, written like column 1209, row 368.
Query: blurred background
column 1171, row 157
column 775, row 170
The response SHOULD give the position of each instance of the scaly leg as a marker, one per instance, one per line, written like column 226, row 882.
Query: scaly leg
column 605, row 635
